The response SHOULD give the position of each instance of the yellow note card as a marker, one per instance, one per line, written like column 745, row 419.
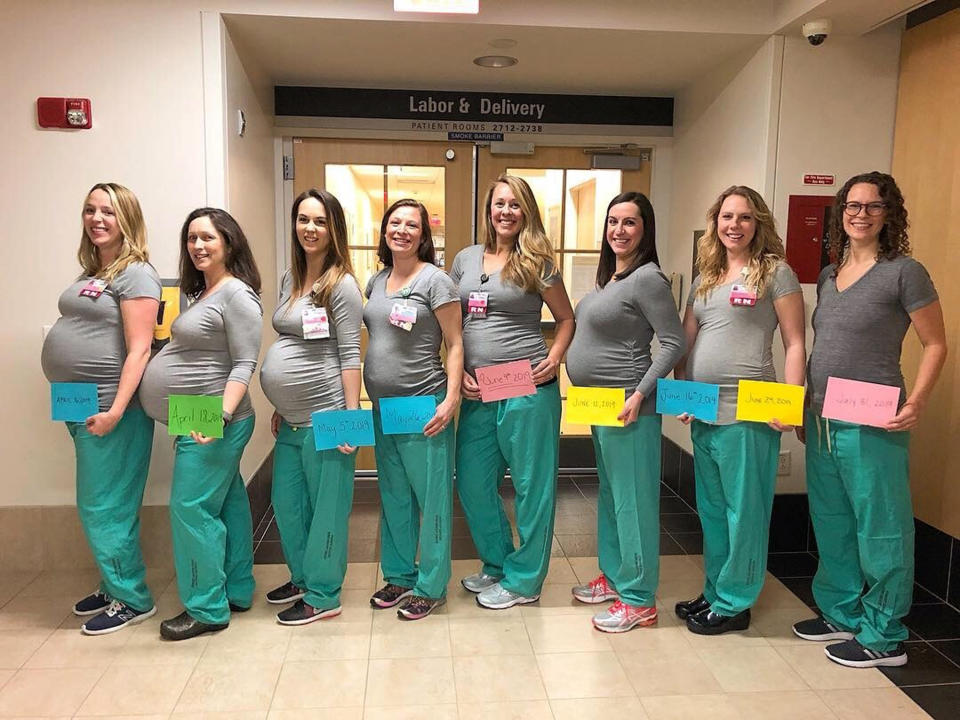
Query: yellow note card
column 594, row 406
column 765, row 401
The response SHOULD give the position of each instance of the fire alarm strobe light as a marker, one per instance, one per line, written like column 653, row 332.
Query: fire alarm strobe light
column 71, row 113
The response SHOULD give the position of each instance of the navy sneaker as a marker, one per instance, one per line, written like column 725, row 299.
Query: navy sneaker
column 115, row 617
column 286, row 593
column 300, row 613
column 93, row 604
column 852, row 654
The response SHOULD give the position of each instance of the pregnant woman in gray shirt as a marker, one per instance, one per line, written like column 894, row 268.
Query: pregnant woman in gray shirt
column 744, row 291
column 412, row 306
column 615, row 325
column 504, row 281
column 857, row 475
column 103, row 336
column 314, row 365
column 213, row 351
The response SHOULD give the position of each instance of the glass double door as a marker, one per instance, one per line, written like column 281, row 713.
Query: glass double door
column 367, row 176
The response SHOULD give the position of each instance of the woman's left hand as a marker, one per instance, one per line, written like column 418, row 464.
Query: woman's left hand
column 908, row 416
column 201, row 439
column 631, row 408
column 346, row 449
column 441, row 418
column 102, row 423
column 545, row 371
column 779, row 426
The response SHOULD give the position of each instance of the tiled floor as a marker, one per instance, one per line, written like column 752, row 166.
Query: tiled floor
column 537, row 661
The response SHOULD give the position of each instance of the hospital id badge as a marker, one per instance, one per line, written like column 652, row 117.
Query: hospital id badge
column 94, row 288
column 477, row 304
column 316, row 325
column 403, row 316
column 743, row 295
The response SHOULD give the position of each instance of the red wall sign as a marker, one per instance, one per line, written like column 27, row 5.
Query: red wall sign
column 813, row 179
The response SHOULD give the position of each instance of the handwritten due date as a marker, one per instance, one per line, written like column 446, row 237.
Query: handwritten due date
column 858, row 402
column 508, row 380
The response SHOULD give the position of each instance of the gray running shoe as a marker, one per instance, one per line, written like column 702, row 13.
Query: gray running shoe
column 596, row 591
column 621, row 617
column 496, row 597
column 478, row 582
column 819, row 630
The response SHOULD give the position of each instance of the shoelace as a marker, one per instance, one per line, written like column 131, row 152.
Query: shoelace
column 618, row 608
column 115, row 607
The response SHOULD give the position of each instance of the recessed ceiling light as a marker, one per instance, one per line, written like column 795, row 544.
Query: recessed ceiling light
column 502, row 43
column 471, row 7
column 495, row 61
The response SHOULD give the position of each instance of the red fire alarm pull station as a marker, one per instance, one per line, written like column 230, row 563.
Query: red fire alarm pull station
column 70, row 113
column 808, row 222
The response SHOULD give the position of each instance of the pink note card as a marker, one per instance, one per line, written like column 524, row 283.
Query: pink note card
column 860, row 402
column 509, row 380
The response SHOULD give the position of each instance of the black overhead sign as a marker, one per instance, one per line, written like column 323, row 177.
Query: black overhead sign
column 490, row 107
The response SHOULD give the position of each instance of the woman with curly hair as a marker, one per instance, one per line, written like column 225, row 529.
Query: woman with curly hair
column 744, row 291
column 857, row 475
column 504, row 281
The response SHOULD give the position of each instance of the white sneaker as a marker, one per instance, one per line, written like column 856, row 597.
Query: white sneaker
column 478, row 582
column 596, row 591
column 496, row 597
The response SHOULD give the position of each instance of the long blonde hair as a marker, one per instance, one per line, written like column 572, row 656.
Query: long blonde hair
column 336, row 263
column 531, row 261
column 133, row 233
column 766, row 248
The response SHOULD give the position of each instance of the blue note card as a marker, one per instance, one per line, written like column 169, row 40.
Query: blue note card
column 73, row 402
column 406, row 415
column 332, row 428
column 675, row 397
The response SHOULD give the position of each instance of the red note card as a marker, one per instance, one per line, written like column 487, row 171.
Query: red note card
column 860, row 402
column 509, row 380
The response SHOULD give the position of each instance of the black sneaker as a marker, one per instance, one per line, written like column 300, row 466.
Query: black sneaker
column 818, row 630
column 419, row 607
column 853, row 654
column 115, row 617
column 301, row 613
column 94, row 603
column 286, row 593
column 389, row 595
column 686, row 608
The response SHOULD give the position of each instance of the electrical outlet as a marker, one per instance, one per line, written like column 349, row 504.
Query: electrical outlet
column 783, row 463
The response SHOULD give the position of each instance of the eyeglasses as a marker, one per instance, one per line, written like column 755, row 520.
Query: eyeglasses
column 874, row 208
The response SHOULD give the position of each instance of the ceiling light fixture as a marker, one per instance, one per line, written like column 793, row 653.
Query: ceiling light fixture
column 462, row 7
column 495, row 61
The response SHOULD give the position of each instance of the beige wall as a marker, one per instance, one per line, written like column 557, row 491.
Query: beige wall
column 926, row 163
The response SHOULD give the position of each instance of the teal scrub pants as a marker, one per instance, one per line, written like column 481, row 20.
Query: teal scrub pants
column 523, row 434
column 312, row 496
column 859, row 490
column 415, row 475
column 211, row 524
column 628, row 507
column 111, row 475
column 736, row 472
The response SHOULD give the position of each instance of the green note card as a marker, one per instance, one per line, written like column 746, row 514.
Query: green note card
column 203, row 413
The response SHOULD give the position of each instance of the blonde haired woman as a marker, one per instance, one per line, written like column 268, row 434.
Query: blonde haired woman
column 103, row 336
column 744, row 291
column 314, row 365
column 504, row 282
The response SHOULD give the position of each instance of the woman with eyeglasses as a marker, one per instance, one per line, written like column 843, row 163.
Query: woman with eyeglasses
column 857, row 475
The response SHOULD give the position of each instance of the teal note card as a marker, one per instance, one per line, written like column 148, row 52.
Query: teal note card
column 332, row 428
column 406, row 415
column 73, row 402
column 675, row 397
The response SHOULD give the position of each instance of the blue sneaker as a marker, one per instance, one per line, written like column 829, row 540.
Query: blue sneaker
column 115, row 617
column 93, row 604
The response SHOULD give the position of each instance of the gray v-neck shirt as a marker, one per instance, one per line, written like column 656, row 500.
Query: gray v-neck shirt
column 615, row 325
column 213, row 341
column 858, row 333
column 300, row 376
column 511, row 330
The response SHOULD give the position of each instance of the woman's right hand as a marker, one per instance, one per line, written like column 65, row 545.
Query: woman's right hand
column 275, row 421
column 686, row 418
column 469, row 387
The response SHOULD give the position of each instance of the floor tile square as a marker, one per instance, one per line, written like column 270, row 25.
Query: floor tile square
column 796, row 705
column 480, row 636
column 598, row 708
column 751, row 669
column 329, row 641
column 16, row 646
column 129, row 693
column 395, row 638
column 516, row 710
column 583, row 674
column 429, row 681
column 925, row 666
column 870, row 704
column 812, row 664
column 566, row 633
column 683, row 707
column 506, row 677
column 228, row 688
column 29, row 692
column 328, row 683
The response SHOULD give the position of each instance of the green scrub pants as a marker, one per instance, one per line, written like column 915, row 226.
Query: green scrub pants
column 111, row 475
column 736, row 472
column 523, row 434
column 859, row 491
column 312, row 496
column 211, row 524
column 628, row 507
column 415, row 475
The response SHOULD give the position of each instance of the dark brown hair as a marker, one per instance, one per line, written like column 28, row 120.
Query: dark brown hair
column 646, row 250
column 425, row 251
column 336, row 262
column 893, row 234
column 237, row 254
